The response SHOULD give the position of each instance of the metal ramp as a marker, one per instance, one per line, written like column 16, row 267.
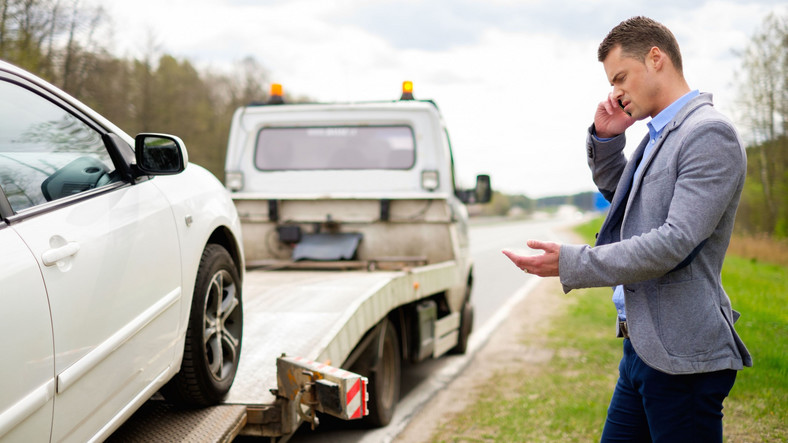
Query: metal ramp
column 161, row 421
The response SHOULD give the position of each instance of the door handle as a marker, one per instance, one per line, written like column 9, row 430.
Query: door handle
column 53, row 256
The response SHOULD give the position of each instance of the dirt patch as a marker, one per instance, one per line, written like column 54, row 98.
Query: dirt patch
column 505, row 352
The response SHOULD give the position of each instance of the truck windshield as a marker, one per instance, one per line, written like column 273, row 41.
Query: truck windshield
column 335, row 147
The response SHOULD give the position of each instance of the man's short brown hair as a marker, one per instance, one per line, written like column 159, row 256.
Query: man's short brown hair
column 637, row 36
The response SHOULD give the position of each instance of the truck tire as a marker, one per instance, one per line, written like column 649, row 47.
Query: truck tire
column 382, row 368
column 466, row 326
column 213, row 337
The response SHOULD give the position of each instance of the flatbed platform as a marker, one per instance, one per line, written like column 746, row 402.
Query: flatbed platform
column 317, row 315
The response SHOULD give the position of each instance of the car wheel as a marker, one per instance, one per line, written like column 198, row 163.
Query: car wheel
column 213, row 337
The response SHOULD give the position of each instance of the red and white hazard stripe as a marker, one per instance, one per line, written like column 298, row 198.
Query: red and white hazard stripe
column 356, row 399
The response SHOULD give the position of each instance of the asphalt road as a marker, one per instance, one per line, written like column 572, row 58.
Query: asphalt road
column 498, row 284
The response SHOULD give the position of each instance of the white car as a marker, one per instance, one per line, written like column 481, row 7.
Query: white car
column 120, row 270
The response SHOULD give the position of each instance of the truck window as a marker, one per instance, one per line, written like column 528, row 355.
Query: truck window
column 335, row 147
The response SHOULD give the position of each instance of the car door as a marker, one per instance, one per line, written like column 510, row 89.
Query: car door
column 27, row 375
column 109, row 256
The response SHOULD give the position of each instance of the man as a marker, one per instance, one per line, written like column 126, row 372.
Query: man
column 663, row 242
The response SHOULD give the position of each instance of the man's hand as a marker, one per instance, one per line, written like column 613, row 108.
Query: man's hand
column 544, row 265
column 610, row 120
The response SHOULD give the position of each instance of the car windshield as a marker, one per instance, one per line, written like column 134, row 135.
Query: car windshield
column 335, row 147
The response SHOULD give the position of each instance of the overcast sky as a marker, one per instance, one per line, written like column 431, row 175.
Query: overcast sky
column 517, row 81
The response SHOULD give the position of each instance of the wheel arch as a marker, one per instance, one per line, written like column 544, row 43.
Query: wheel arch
column 224, row 237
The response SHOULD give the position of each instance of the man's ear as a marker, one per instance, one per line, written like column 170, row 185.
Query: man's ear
column 655, row 58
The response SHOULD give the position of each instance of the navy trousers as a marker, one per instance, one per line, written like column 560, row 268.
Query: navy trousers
column 652, row 406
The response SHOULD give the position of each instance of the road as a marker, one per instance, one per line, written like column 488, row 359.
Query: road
column 497, row 286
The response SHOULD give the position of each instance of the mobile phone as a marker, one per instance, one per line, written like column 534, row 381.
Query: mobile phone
column 621, row 105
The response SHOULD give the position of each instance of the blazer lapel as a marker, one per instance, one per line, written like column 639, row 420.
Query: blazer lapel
column 636, row 182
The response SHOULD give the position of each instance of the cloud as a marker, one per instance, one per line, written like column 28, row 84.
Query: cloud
column 517, row 80
column 438, row 25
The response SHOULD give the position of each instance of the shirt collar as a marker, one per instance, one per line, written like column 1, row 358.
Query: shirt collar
column 658, row 123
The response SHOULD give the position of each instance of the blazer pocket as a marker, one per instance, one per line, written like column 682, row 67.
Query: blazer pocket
column 689, row 322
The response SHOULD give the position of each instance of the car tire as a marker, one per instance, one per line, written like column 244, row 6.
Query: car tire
column 213, row 338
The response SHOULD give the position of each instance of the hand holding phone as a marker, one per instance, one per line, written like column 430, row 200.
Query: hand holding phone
column 609, row 121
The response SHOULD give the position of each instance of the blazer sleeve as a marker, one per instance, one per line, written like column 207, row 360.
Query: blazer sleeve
column 606, row 160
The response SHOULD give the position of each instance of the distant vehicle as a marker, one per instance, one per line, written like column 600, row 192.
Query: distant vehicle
column 121, row 269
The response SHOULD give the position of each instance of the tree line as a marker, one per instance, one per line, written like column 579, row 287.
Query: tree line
column 60, row 41
column 763, row 109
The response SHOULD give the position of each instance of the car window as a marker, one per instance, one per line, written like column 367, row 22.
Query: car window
column 46, row 153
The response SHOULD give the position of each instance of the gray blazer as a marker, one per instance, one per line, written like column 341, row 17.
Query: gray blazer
column 665, row 240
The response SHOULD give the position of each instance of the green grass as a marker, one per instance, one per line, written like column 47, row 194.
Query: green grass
column 758, row 403
column 565, row 397
column 589, row 229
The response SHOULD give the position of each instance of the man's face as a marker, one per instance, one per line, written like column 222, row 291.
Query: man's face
column 633, row 82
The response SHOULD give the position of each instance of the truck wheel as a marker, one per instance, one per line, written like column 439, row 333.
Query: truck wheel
column 466, row 325
column 384, row 376
column 213, row 337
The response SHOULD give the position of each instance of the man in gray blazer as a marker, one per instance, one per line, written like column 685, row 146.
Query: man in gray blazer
column 663, row 242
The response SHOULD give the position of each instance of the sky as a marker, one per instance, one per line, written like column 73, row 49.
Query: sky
column 517, row 81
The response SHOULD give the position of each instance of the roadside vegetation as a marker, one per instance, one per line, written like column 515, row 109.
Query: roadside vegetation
column 566, row 397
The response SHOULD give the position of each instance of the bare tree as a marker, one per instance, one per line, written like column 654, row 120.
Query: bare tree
column 763, row 92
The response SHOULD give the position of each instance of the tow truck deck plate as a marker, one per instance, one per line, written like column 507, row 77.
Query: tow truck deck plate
column 162, row 421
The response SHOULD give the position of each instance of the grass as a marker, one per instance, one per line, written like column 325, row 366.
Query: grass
column 758, row 405
column 566, row 398
column 563, row 399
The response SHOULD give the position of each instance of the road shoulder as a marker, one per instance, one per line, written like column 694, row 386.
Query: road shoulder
column 506, row 349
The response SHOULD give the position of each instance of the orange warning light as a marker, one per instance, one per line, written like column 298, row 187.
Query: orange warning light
column 407, row 90
column 275, row 97
column 276, row 89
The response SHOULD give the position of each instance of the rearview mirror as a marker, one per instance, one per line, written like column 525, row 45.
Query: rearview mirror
column 160, row 154
column 482, row 193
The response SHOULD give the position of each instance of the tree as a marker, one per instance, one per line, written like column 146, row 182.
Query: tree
column 25, row 26
column 764, row 108
column 57, row 40
column 77, row 57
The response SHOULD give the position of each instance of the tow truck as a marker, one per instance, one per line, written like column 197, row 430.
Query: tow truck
column 356, row 247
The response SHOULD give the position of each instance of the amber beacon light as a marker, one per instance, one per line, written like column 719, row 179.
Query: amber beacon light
column 275, row 97
column 407, row 90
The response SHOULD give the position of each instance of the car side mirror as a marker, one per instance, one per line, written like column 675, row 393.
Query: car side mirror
column 160, row 154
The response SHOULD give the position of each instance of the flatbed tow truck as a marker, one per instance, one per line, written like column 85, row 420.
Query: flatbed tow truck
column 356, row 250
